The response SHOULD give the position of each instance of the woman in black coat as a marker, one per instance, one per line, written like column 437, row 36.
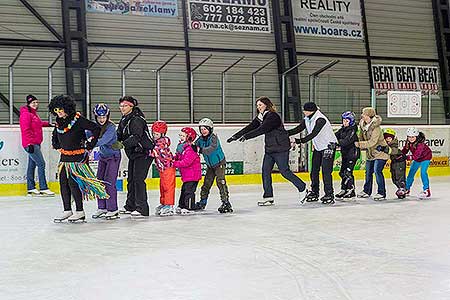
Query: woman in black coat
column 276, row 146
column 133, row 135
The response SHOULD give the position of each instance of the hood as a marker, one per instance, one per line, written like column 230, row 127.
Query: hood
column 375, row 122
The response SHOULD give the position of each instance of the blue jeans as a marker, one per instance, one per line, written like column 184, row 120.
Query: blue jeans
column 282, row 161
column 36, row 159
column 375, row 166
column 415, row 165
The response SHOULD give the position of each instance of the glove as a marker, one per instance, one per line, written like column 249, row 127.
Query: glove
column 331, row 146
column 117, row 146
column 90, row 145
column 382, row 149
column 232, row 139
column 328, row 154
column 29, row 149
column 242, row 139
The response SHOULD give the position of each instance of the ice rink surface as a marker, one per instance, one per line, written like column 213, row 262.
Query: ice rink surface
column 361, row 250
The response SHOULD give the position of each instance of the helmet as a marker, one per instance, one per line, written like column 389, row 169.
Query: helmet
column 389, row 132
column 190, row 132
column 348, row 115
column 412, row 131
column 101, row 110
column 206, row 122
column 160, row 127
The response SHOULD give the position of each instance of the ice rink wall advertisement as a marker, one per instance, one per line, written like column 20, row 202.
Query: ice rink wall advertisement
column 155, row 8
column 226, row 15
column 328, row 18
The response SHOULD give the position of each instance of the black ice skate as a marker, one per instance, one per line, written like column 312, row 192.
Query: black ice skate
column 341, row 194
column 225, row 207
column 266, row 202
column 349, row 194
column 327, row 199
column 312, row 197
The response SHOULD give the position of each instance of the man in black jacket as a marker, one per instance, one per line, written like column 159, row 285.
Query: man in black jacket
column 277, row 146
column 133, row 135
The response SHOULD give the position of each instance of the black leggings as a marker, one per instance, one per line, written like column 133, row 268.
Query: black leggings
column 69, row 188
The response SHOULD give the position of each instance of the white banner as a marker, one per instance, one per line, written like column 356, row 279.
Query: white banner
column 328, row 18
column 404, row 104
column 239, row 15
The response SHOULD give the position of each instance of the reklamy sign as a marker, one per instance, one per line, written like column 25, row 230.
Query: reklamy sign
column 230, row 15
column 328, row 18
column 157, row 8
column 398, row 77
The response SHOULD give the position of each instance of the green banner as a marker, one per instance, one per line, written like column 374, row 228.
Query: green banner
column 233, row 168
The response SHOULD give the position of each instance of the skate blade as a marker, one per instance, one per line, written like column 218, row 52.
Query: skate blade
column 265, row 203
column 99, row 217
column 112, row 218
column 79, row 221
column 59, row 220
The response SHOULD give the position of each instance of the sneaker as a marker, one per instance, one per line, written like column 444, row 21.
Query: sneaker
column 363, row 194
column 124, row 211
column 379, row 197
column 33, row 193
column 47, row 193
column 426, row 194
column 100, row 213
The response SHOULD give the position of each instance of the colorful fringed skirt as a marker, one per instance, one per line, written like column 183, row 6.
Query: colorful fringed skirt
column 91, row 188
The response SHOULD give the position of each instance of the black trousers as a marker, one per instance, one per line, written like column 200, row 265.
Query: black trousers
column 326, row 163
column 137, row 188
column 69, row 188
column 187, row 196
column 398, row 173
column 346, row 172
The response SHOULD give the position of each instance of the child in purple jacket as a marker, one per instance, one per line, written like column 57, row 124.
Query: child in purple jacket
column 187, row 161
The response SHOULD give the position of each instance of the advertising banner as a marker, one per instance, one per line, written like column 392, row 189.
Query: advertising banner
column 226, row 15
column 155, row 8
column 405, row 78
column 328, row 18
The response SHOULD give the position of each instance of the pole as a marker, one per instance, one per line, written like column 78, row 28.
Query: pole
column 429, row 107
column 50, row 81
column 158, row 85
column 124, row 70
column 192, row 86
column 11, row 86
column 224, row 87
column 88, row 84
column 283, row 87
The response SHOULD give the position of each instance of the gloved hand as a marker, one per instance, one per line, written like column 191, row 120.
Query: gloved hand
column 29, row 149
column 90, row 145
column 242, row 139
column 383, row 149
column 117, row 146
column 232, row 139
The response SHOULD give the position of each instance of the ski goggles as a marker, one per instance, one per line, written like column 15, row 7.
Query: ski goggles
column 57, row 110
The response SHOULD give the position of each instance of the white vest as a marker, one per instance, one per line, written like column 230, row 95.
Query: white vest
column 326, row 134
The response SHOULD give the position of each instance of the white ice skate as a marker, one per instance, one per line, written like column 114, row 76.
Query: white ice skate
column 266, row 202
column 166, row 210
column 302, row 196
column 123, row 211
column 112, row 215
column 100, row 213
column 158, row 209
column 34, row 193
column 184, row 211
column 47, row 193
column 136, row 214
column 77, row 217
column 424, row 194
column 363, row 194
column 65, row 215
column 379, row 197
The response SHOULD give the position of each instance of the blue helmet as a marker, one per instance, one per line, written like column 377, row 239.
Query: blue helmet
column 101, row 110
column 348, row 115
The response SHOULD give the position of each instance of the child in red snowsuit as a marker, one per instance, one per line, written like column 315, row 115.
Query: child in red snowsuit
column 164, row 162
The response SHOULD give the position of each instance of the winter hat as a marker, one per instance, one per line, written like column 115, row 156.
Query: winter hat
column 310, row 106
column 369, row 111
column 30, row 98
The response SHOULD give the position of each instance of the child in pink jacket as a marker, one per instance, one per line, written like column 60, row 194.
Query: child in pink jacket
column 187, row 161
column 32, row 136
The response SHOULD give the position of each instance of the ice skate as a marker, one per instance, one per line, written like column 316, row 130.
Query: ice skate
column 100, row 213
column 136, row 214
column 201, row 204
column 124, row 211
column 65, row 215
column 302, row 196
column 225, row 207
column 266, row 202
column 112, row 215
column 349, row 194
column 341, row 194
column 327, row 199
column 400, row 193
column 158, row 209
column 33, row 193
column 379, row 197
column 363, row 194
column 47, row 193
column 77, row 217
column 166, row 210
column 184, row 211
column 312, row 197
column 426, row 194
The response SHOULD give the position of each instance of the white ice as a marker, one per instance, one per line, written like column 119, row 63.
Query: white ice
column 359, row 250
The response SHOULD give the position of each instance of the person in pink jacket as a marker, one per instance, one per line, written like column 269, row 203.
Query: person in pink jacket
column 187, row 161
column 32, row 136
